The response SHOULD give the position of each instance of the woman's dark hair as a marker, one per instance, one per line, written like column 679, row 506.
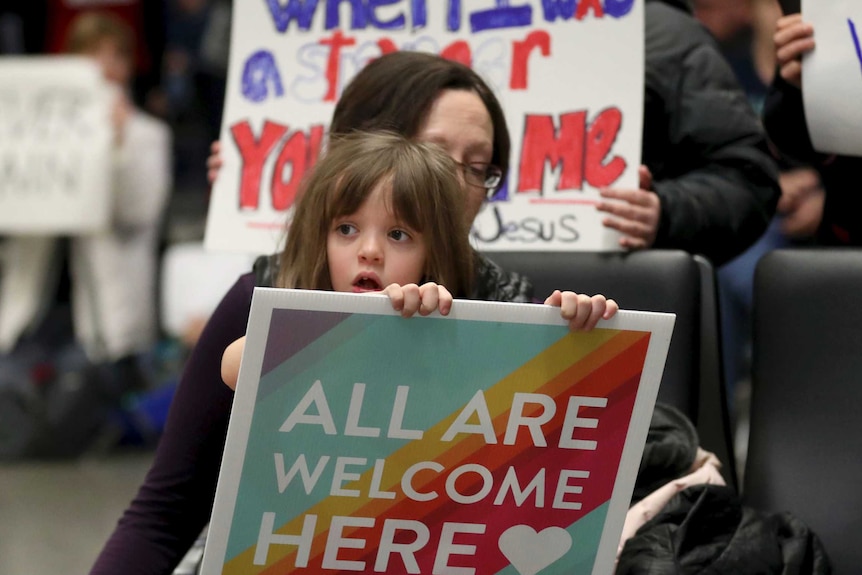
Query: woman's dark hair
column 395, row 92
column 423, row 192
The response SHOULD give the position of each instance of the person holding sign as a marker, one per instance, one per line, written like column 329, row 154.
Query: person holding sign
column 708, row 184
column 785, row 122
column 113, row 271
column 419, row 96
column 380, row 214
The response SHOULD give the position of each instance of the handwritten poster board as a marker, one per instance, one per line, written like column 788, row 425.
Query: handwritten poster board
column 491, row 441
column 832, row 76
column 55, row 139
column 569, row 76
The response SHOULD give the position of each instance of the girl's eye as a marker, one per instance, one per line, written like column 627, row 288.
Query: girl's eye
column 399, row 235
column 345, row 229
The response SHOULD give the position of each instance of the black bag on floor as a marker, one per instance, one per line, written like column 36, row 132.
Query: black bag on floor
column 52, row 404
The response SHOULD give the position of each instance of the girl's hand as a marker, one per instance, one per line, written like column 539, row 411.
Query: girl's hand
column 411, row 298
column 582, row 311
column 793, row 38
column 214, row 162
column 230, row 360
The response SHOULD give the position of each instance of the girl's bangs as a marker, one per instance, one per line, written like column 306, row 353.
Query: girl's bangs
column 401, row 193
column 406, row 201
column 347, row 193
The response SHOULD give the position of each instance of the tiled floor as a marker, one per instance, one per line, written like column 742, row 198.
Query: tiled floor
column 55, row 516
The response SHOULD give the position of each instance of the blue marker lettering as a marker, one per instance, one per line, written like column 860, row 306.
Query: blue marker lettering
column 618, row 8
column 420, row 13
column 333, row 19
column 299, row 10
column 396, row 23
column 554, row 9
column 503, row 16
column 259, row 70
column 453, row 17
column 855, row 40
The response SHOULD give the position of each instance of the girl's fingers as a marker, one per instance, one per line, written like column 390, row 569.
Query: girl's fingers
column 429, row 296
column 555, row 299
column 577, row 309
column 411, row 300
column 584, row 312
column 396, row 296
column 611, row 309
column 444, row 304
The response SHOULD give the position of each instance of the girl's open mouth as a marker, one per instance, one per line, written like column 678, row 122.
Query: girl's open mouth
column 367, row 282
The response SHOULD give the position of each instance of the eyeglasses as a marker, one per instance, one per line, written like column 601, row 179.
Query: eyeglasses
column 482, row 175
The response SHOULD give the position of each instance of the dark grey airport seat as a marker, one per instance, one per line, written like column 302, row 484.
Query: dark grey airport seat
column 663, row 281
column 805, row 447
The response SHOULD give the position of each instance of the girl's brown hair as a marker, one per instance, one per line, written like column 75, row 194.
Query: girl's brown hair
column 424, row 192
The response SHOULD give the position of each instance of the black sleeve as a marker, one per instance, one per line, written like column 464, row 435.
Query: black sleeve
column 175, row 501
column 493, row 283
column 713, row 171
column 784, row 120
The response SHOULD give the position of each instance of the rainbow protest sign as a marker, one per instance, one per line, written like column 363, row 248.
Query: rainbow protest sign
column 491, row 441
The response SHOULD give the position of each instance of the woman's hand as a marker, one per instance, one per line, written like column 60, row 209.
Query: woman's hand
column 411, row 298
column 793, row 38
column 214, row 162
column 582, row 311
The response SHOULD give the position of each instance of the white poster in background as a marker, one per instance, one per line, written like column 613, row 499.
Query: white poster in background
column 55, row 146
column 832, row 76
column 569, row 75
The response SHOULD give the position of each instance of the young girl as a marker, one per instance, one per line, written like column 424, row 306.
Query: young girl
column 380, row 213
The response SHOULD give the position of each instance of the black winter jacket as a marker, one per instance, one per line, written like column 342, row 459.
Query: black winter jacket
column 705, row 529
column 702, row 142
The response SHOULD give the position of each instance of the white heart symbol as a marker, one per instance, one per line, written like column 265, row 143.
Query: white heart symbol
column 530, row 552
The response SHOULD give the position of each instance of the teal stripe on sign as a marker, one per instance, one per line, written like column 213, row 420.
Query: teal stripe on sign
column 442, row 361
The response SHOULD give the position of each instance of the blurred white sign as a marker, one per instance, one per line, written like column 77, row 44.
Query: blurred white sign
column 832, row 76
column 55, row 146
column 569, row 76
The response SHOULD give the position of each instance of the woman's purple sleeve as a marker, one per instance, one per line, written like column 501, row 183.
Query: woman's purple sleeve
column 175, row 501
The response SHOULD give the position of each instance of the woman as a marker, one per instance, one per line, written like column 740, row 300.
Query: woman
column 420, row 96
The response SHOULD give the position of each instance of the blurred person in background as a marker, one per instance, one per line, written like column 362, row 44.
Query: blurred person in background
column 111, row 274
column 744, row 31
